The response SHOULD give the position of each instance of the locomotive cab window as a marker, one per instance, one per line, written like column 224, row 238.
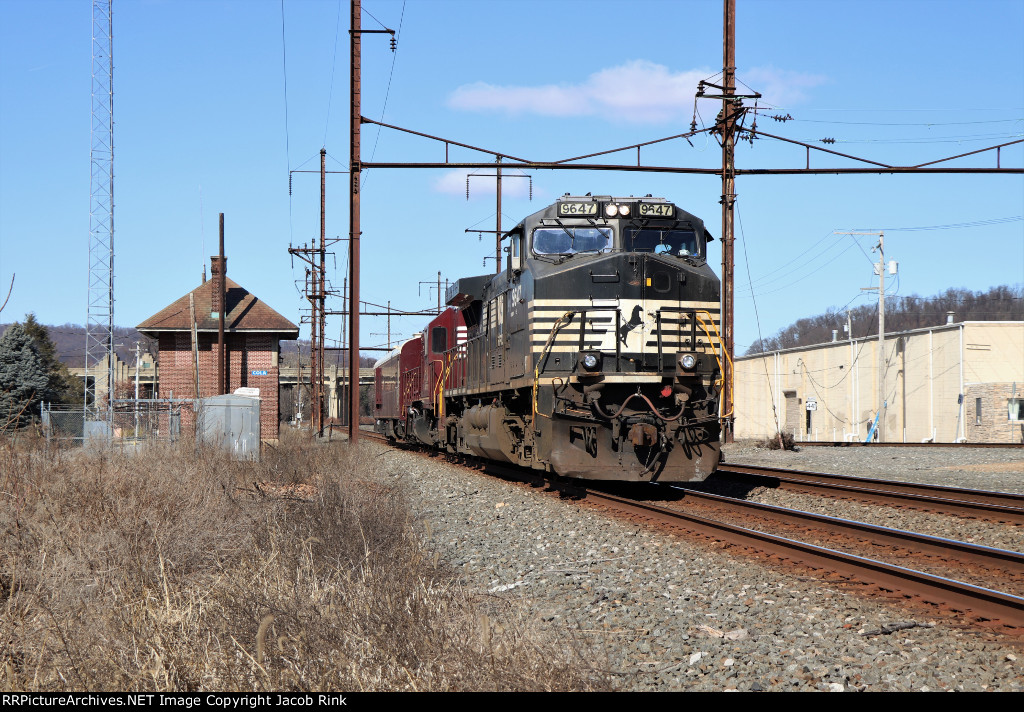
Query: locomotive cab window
column 662, row 241
column 571, row 240
column 439, row 339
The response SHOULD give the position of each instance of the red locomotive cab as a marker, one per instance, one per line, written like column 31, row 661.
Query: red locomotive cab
column 397, row 379
column 410, row 383
column 441, row 340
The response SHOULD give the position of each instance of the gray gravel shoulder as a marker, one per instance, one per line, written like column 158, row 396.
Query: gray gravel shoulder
column 663, row 613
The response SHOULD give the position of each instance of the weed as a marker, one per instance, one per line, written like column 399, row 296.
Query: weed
column 177, row 569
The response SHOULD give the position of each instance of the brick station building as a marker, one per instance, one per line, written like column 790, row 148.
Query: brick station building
column 252, row 335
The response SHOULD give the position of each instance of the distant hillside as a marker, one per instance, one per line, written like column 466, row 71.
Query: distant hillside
column 901, row 314
column 69, row 340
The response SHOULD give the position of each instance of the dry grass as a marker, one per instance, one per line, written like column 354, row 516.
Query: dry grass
column 169, row 570
column 779, row 441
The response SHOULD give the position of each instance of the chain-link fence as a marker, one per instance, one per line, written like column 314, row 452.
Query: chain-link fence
column 130, row 421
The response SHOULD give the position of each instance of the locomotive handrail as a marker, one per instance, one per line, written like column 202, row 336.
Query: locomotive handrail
column 449, row 357
column 721, row 344
column 562, row 321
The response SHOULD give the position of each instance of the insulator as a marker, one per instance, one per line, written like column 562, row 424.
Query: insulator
column 467, row 187
column 289, row 185
column 394, row 43
column 531, row 187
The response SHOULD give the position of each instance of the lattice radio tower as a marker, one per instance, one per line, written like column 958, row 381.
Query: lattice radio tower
column 99, row 337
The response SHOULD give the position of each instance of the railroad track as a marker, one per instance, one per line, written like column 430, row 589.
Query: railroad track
column 980, row 604
column 949, row 552
column 980, row 504
column 984, row 605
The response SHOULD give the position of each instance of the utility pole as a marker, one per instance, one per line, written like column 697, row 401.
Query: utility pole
column 221, row 286
column 136, row 389
column 355, row 168
column 880, row 268
column 728, row 123
column 319, row 321
column 497, row 231
column 727, row 126
column 420, row 292
column 497, row 225
column 881, row 338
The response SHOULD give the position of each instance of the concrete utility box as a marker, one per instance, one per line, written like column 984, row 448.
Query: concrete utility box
column 231, row 423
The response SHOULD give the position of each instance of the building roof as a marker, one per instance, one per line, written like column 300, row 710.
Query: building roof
column 244, row 312
column 888, row 335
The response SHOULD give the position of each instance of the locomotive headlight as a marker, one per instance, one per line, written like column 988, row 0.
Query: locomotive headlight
column 590, row 361
column 611, row 210
column 688, row 362
column 623, row 210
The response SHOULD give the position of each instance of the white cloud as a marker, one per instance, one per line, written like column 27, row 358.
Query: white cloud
column 638, row 91
column 454, row 183
column 781, row 87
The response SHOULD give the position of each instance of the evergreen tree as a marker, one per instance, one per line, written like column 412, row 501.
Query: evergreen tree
column 62, row 386
column 24, row 381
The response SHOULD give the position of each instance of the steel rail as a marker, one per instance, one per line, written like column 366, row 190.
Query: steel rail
column 983, row 603
column 1010, row 561
column 998, row 506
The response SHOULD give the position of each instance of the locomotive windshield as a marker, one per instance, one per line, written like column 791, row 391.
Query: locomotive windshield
column 570, row 240
column 679, row 243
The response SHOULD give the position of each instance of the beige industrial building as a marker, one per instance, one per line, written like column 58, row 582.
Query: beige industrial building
column 956, row 382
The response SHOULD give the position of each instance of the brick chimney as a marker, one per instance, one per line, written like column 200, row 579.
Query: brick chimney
column 218, row 271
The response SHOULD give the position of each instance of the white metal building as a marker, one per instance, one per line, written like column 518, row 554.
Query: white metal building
column 959, row 381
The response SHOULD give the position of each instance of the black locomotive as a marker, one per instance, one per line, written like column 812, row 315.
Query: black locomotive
column 594, row 354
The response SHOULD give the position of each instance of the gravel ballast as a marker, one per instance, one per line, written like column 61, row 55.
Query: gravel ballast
column 662, row 612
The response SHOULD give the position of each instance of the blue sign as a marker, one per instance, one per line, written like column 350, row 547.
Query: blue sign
column 259, row 373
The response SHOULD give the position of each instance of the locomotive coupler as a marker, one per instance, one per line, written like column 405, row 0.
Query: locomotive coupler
column 643, row 435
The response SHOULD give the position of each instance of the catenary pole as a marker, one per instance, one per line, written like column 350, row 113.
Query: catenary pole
column 355, row 101
column 730, row 110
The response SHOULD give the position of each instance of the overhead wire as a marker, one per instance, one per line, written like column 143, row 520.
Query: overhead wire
column 916, row 140
column 909, row 123
column 334, row 62
column 757, row 319
column 952, row 226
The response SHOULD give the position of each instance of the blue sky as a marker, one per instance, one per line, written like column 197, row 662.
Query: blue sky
column 201, row 128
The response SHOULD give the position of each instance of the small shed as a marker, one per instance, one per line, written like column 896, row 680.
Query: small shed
column 253, row 332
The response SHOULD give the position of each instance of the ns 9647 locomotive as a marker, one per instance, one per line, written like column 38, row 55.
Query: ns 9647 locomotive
column 594, row 354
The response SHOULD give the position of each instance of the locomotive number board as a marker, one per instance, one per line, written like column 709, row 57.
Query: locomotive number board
column 572, row 209
column 656, row 210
